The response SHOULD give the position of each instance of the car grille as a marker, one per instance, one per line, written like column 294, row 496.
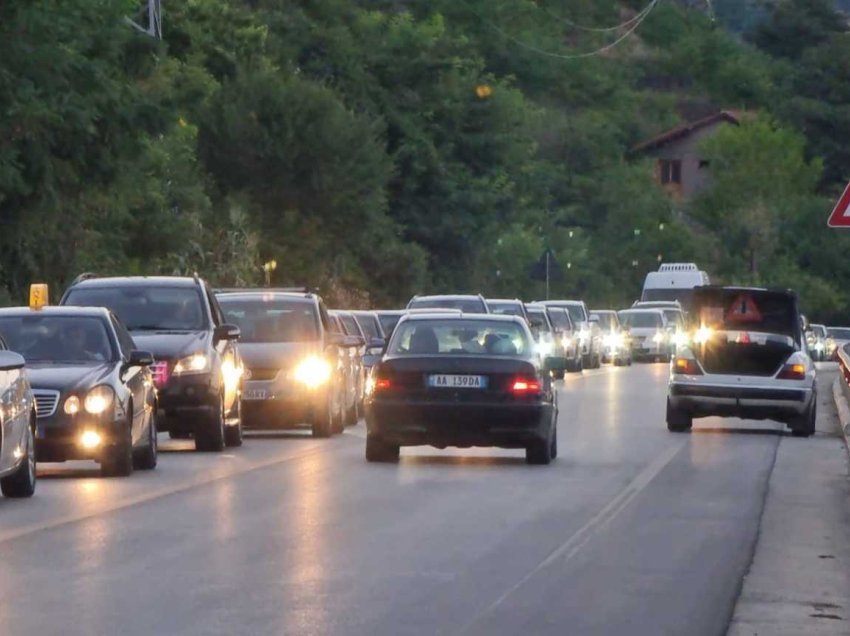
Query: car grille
column 261, row 374
column 45, row 402
column 159, row 369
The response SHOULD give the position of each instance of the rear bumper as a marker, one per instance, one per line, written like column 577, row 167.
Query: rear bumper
column 751, row 402
column 465, row 424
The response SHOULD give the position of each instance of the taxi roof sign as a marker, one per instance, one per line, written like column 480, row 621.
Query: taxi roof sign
column 39, row 295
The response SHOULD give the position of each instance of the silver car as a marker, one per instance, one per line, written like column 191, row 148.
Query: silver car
column 747, row 358
column 17, row 419
column 652, row 336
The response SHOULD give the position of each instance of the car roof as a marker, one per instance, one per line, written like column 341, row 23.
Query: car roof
column 555, row 303
column 515, row 301
column 463, row 316
column 138, row 281
column 603, row 311
column 57, row 310
column 390, row 312
column 790, row 293
column 641, row 310
column 260, row 294
column 447, row 297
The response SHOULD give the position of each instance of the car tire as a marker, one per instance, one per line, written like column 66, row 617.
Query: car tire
column 323, row 424
column 209, row 431
column 379, row 451
column 233, row 434
column 678, row 421
column 21, row 483
column 558, row 374
column 597, row 361
column 146, row 459
column 805, row 425
column 119, row 461
column 539, row 452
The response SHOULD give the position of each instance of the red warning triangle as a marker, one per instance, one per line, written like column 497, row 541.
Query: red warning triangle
column 744, row 309
column 840, row 216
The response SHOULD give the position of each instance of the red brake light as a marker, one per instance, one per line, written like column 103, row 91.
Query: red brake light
column 382, row 384
column 795, row 371
column 525, row 386
column 686, row 366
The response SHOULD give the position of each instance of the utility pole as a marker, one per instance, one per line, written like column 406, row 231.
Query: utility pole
column 153, row 13
column 547, row 274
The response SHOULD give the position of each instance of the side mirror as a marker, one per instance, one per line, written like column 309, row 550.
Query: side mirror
column 11, row 361
column 354, row 341
column 226, row 332
column 377, row 343
column 140, row 359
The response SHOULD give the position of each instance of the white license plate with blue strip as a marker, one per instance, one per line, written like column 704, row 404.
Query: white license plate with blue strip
column 458, row 381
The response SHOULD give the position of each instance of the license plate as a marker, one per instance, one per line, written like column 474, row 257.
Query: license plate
column 458, row 381
column 255, row 394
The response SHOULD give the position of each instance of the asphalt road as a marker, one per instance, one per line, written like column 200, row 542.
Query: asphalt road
column 633, row 530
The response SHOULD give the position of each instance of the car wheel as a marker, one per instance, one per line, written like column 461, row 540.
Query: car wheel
column 119, row 461
column 323, row 423
column 147, row 458
column 233, row 434
column 805, row 425
column 209, row 432
column 597, row 361
column 379, row 451
column 678, row 421
column 21, row 483
column 558, row 374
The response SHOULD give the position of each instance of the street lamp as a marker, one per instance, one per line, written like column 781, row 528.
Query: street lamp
column 268, row 268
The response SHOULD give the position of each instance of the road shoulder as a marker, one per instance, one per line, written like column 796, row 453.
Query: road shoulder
column 799, row 581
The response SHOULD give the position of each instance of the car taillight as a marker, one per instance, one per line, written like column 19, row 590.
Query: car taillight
column 794, row 371
column 686, row 366
column 382, row 384
column 525, row 386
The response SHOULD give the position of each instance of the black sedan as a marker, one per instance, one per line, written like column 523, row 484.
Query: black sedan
column 93, row 390
column 461, row 380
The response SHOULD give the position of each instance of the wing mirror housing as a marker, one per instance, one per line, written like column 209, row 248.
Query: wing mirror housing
column 354, row 341
column 377, row 343
column 11, row 361
column 226, row 332
column 137, row 358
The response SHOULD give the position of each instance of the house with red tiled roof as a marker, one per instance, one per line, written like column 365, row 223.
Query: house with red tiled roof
column 679, row 169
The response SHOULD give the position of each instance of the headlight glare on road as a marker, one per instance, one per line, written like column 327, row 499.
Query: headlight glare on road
column 195, row 363
column 72, row 405
column 312, row 372
column 99, row 399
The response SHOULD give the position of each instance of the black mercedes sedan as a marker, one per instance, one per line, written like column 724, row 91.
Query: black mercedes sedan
column 93, row 389
column 461, row 380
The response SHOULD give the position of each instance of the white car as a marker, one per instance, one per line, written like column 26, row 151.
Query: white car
column 747, row 358
column 17, row 421
column 652, row 337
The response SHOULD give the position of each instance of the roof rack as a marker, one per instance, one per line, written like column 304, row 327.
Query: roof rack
column 84, row 276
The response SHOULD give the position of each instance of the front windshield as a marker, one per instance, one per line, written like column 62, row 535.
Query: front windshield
column 389, row 321
column 272, row 320
column 466, row 305
column 684, row 296
column 839, row 333
column 460, row 337
column 368, row 325
column 674, row 317
column 505, row 308
column 641, row 319
column 559, row 319
column 58, row 339
column 819, row 331
column 575, row 311
column 147, row 308
column 537, row 319
column 607, row 322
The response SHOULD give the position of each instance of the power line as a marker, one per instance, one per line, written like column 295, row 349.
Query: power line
column 577, row 56
column 582, row 27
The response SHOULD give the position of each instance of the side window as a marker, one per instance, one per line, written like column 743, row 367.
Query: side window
column 125, row 342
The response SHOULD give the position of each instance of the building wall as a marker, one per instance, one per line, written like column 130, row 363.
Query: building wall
column 686, row 150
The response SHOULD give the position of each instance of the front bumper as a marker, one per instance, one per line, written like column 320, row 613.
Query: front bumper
column 188, row 395
column 281, row 407
column 58, row 436
column 465, row 424
column 750, row 402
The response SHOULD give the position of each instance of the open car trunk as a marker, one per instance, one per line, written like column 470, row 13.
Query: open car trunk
column 749, row 331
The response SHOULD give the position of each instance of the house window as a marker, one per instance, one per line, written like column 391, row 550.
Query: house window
column 670, row 171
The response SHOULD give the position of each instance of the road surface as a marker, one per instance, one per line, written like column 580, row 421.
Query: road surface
column 633, row 530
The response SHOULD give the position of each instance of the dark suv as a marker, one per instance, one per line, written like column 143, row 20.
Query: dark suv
column 197, row 369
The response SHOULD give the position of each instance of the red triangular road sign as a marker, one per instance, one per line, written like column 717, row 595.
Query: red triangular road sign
column 744, row 309
column 840, row 216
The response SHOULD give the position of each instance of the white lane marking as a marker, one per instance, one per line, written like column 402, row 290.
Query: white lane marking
column 149, row 496
column 583, row 535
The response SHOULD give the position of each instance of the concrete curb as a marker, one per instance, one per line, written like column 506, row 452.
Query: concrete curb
column 843, row 407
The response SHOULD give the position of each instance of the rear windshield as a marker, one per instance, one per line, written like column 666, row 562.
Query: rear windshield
column 751, row 311
column 460, row 337
column 388, row 322
column 272, row 320
column 505, row 309
column 68, row 339
column 560, row 319
column 369, row 325
column 537, row 318
column 466, row 305
column 839, row 333
column 641, row 319
column 607, row 322
column 147, row 308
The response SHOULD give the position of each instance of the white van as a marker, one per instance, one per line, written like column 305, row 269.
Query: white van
column 674, row 281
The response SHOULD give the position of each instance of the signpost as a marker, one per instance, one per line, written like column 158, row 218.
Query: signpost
column 547, row 269
column 840, row 216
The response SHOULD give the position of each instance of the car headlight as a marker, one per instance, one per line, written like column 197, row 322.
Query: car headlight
column 703, row 335
column 584, row 335
column 613, row 340
column 544, row 348
column 681, row 339
column 72, row 405
column 99, row 399
column 658, row 337
column 312, row 372
column 195, row 363
column 819, row 346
